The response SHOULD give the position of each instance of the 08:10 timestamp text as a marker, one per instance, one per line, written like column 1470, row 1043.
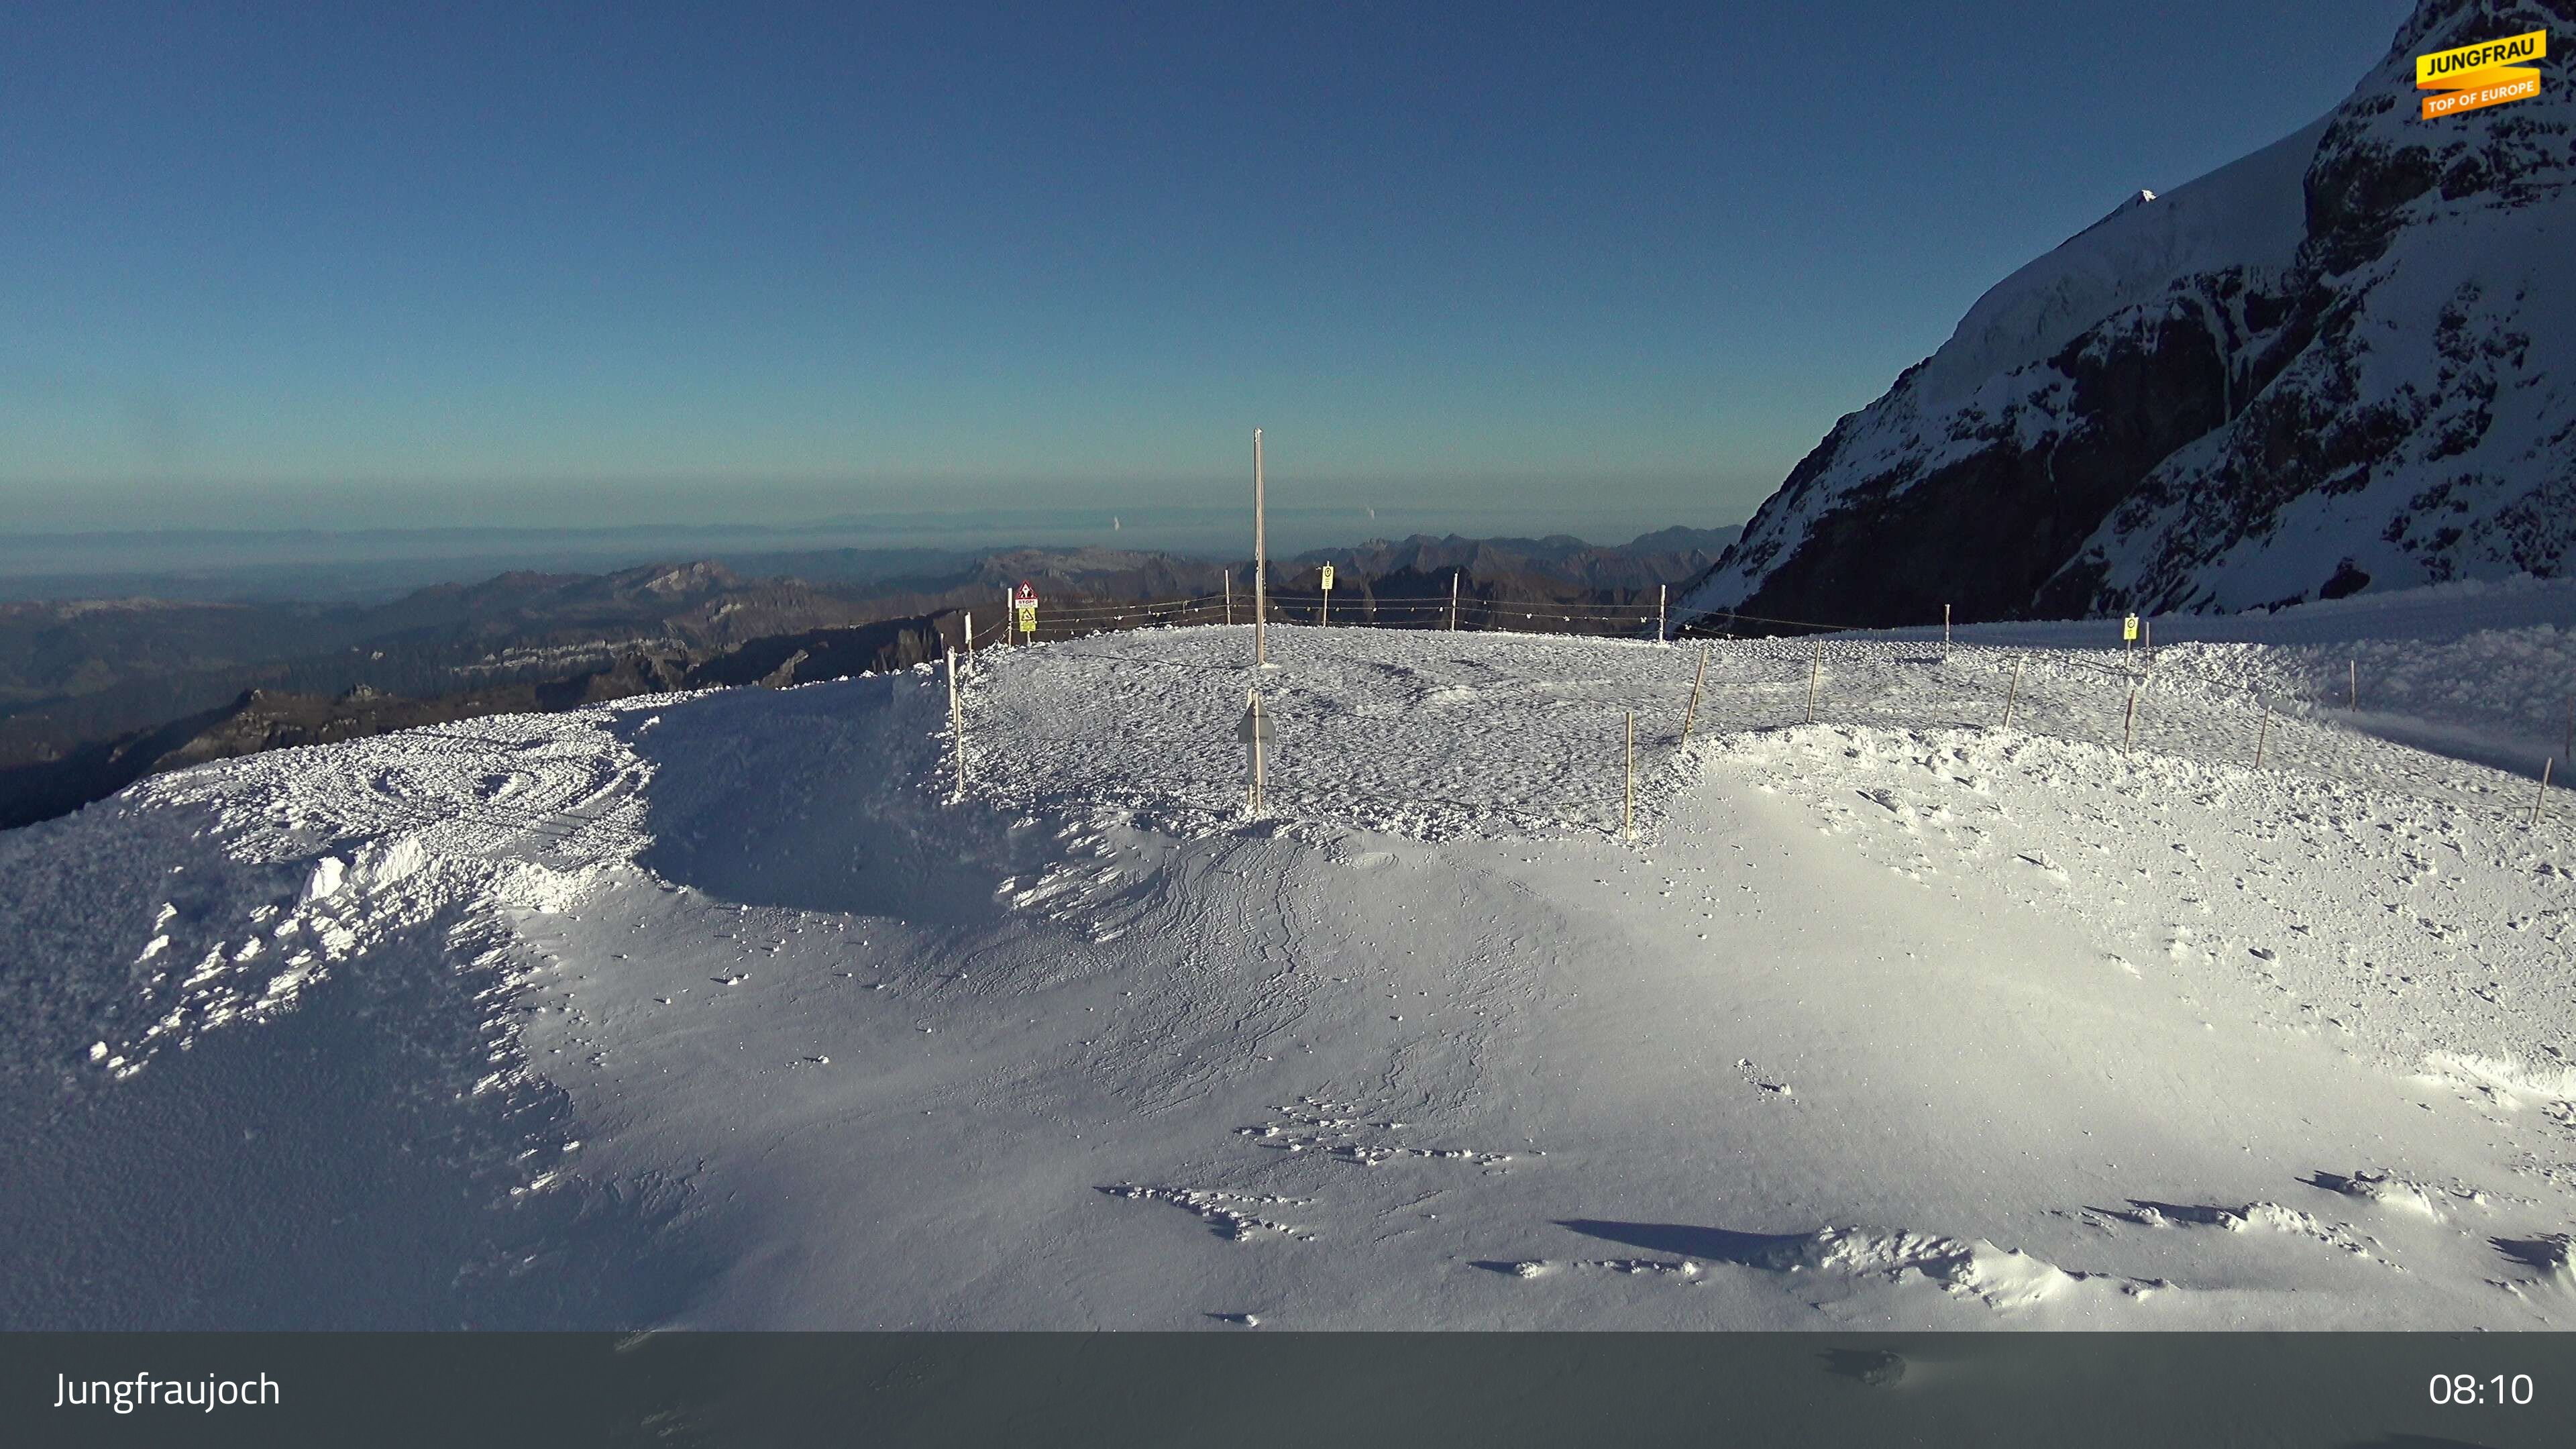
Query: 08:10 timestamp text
column 2471, row 1389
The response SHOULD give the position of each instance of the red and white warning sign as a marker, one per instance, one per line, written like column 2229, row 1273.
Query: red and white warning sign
column 1024, row 602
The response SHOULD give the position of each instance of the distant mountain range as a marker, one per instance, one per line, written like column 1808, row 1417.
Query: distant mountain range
column 97, row 693
column 1547, row 564
column 2344, row 362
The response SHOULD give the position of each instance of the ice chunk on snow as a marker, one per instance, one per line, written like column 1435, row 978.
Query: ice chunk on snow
column 383, row 865
column 324, row 883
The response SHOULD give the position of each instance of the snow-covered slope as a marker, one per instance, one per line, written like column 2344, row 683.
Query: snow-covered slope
column 716, row 1009
column 2247, row 214
column 2340, row 363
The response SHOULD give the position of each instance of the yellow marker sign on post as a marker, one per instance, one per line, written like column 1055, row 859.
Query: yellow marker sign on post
column 1328, row 578
column 1326, row 617
column 2474, row 77
column 2129, row 629
column 1024, row 603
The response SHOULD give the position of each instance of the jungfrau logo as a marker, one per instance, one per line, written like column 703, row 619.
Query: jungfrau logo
column 2473, row 77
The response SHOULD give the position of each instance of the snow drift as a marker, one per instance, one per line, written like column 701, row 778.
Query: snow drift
column 717, row 1009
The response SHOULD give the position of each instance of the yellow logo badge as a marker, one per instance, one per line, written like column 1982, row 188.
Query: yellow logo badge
column 2474, row 77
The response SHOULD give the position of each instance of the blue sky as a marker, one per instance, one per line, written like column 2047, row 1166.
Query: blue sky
column 361, row 265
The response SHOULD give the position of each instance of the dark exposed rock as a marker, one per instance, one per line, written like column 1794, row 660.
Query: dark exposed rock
column 2346, row 582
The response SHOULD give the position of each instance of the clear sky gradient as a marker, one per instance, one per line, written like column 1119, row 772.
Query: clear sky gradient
column 430, row 264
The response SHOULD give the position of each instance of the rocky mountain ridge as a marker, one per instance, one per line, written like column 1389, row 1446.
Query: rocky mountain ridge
column 2338, row 364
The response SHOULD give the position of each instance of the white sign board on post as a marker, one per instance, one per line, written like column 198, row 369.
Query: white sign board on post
column 1024, row 603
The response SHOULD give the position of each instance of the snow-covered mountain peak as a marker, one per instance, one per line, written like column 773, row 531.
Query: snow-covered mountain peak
column 2336, row 364
column 2246, row 214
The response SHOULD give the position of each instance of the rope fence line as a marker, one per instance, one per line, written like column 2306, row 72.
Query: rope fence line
column 1106, row 617
column 1057, row 621
column 2144, row 723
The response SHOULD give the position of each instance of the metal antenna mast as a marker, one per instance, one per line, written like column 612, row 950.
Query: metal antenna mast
column 1260, row 563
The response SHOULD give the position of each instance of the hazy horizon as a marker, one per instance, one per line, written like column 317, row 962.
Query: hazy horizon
column 1585, row 503
column 377, row 562
column 353, row 268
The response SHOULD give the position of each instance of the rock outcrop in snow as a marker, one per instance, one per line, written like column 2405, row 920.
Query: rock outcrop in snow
column 2337, row 364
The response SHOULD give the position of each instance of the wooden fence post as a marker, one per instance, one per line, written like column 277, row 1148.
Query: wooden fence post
column 2542, row 798
column 2262, row 735
column 1815, row 673
column 1945, row 626
column 2129, row 726
column 970, row 639
column 1692, row 713
column 1453, row 601
column 2014, row 693
column 2353, row 700
column 1229, row 596
column 1661, row 592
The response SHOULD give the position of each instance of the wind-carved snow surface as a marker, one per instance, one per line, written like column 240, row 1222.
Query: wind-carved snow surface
column 720, row 1010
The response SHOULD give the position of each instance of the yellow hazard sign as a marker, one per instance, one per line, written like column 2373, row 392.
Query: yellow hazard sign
column 2129, row 629
column 1328, row 578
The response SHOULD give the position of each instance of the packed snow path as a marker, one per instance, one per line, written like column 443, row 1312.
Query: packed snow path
column 716, row 1010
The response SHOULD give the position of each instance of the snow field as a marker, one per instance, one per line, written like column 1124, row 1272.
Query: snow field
column 713, row 1010
column 1437, row 735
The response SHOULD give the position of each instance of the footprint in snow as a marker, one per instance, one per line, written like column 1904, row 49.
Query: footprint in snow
column 1753, row 1079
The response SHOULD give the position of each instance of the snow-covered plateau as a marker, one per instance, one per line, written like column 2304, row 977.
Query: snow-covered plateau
column 719, row 1010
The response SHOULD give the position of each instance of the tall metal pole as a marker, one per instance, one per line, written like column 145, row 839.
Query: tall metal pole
column 1628, row 802
column 1260, row 563
column 1254, row 714
column 956, row 724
